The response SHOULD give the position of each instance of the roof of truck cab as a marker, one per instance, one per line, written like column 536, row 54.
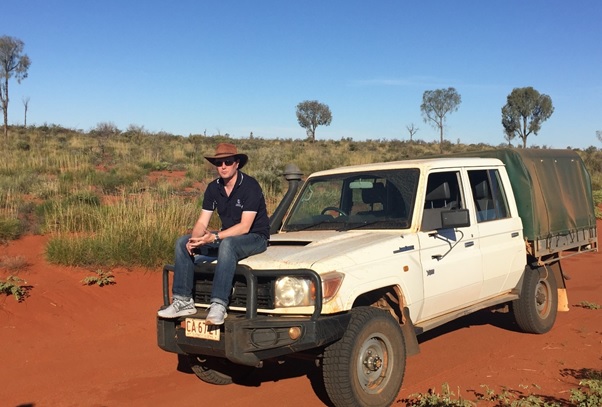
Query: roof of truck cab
column 423, row 164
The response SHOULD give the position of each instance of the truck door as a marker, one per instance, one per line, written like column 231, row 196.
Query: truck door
column 500, row 233
column 450, row 258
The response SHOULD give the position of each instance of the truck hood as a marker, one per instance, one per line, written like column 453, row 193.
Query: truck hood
column 322, row 251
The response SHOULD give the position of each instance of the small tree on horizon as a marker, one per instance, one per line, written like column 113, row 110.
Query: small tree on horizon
column 311, row 114
column 525, row 110
column 26, row 106
column 412, row 130
column 12, row 63
column 436, row 105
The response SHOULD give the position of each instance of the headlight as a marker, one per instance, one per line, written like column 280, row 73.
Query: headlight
column 298, row 292
column 293, row 292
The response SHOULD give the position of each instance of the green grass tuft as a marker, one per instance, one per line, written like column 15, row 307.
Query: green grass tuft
column 101, row 279
column 16, row 287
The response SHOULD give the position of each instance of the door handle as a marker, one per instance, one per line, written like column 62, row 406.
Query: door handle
column 468, row 244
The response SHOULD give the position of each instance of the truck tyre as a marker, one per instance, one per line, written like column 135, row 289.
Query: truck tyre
column 218, row 371
column 535, row 310
column 366, row 366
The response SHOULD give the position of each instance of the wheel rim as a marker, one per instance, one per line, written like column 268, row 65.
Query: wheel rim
column 373, row 364
column 542, row 298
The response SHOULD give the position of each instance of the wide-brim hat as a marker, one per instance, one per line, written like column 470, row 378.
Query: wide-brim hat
column 225, row 150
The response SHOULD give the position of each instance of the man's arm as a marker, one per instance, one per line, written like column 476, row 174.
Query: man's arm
column 246, row 221
column 200, row 234
column 200, row 227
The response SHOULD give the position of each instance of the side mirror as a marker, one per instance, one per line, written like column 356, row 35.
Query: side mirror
column 455, row 219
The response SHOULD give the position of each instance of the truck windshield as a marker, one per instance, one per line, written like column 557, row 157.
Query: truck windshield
column 371, row 200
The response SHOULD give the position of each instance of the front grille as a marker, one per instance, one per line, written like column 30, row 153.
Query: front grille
column 265, row 291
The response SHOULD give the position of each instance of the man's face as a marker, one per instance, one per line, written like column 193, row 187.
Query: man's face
column 226, row 167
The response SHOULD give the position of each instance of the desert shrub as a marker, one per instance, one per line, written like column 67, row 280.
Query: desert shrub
column 22, row 182
column 201, row 172
column 164, row 188
column 443, row 399
column 589, row 392
column 185, row 183
column 10, row 228
column 116, row 179
column 16, row 287
column 589, row 305
column 84, row 197
column 70, row 215
column 101, row 279
column 598, row 203
column 155, row 166
column 22, row 145
column 135, row 230
column 13, row 263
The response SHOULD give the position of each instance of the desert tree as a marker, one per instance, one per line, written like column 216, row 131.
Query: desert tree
column 524, row 112
column 599, row 135
column 412, row 130
column 436, row 105
column 103, row 131
column 25, row 108
column 311, row 114
column 13, row 63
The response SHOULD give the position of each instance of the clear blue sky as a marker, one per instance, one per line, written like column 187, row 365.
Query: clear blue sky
column 186, row 67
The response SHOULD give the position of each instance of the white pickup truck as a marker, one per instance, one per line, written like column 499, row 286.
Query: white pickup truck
column 363, row 259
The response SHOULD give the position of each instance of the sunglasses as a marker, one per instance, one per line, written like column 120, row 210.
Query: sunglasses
column 228, row 162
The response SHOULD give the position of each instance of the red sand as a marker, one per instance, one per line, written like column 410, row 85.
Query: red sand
column 75, row 345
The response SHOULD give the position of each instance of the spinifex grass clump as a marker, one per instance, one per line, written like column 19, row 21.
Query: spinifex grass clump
column 10, row 228
column 13, row 263
column 135, row 230
column 10, row 225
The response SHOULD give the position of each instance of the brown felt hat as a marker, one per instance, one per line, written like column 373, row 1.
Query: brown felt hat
column 225, row 150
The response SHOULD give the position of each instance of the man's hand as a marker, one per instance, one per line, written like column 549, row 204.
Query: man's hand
column 195, row 242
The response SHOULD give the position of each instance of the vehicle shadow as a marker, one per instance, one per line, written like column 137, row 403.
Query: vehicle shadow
column 503, row 320
column 275, row 371
column 287, row 368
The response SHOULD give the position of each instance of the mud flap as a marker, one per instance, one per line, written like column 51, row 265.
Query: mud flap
column 563, row 300
column 409, row 334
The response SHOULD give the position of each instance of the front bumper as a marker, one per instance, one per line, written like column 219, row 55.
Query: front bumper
column 248, row 338
column 249, row 341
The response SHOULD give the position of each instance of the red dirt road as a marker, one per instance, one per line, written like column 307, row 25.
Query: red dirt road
column 75, row 345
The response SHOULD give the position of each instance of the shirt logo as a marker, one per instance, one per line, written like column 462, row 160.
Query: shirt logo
column 239, row 204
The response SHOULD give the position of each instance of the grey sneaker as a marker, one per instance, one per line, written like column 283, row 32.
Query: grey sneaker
column 217, row 314
column 178, row 308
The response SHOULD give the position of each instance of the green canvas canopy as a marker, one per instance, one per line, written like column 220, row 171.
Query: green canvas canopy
column 552, row 189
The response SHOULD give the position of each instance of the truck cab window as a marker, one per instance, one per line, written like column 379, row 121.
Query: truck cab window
column 380, row 199
column 488, row 195
column 443, row 193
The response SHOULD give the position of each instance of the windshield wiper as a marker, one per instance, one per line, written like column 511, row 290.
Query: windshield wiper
column 385, row 224
column 311, row 225
column 351, row 226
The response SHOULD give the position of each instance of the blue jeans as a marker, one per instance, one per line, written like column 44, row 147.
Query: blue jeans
column 231, row 250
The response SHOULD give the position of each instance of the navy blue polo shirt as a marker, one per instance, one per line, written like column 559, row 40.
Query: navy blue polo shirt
column 247, row 196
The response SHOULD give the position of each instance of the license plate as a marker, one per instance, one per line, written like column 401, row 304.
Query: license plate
column 197, row 328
